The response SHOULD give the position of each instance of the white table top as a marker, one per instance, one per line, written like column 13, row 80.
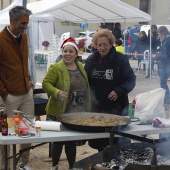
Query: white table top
column 69, row 135
column 51, row 136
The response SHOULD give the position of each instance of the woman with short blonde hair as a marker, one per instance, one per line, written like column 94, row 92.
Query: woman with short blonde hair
column 111, row 78
column 104, row 33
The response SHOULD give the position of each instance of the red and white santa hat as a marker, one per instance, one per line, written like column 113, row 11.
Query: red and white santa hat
column 70, row 41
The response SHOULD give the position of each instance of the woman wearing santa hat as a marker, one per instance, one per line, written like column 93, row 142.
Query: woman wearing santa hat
column 66, row 95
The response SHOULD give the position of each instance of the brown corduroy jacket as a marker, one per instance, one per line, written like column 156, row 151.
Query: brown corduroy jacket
column 14, row 74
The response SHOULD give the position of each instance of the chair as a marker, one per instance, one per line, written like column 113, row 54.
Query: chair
column 64, row 36
column 155, row 68
column 144, row 61
column 51, row 58
column 40, row 59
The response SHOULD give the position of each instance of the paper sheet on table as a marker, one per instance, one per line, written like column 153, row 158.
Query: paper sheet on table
column 49, row 125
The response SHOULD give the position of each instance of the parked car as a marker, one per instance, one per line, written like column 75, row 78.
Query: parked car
column 130, row 35
column 87, row 35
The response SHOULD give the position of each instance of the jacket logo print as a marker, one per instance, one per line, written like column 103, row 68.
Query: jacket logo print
column 108, row 74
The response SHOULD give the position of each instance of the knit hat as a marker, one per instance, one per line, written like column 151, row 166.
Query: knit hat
column 70, row 41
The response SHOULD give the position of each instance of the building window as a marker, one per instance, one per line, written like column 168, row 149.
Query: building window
column 168, row 11
column 2, row 4
column 5, row 3
column 144, row 6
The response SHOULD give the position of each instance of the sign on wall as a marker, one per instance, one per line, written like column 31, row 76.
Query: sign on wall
column 83, row 25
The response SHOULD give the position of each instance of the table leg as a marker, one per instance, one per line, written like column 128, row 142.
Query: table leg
column 111, row 140
column 50, row 150
column 14, row 156
column 6, row 157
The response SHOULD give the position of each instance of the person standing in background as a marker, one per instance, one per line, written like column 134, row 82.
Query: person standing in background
column 117, row 31
column 16, row 88
column 141, row 46
column 155, row 45
column 67, row 85
column 164, row 57
column 101, row 27
column 119, row 47
column 155, row 41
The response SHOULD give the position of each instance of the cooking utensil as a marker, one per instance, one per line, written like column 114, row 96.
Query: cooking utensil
column 69, row 120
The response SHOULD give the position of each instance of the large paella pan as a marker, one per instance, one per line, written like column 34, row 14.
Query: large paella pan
column 93, row 122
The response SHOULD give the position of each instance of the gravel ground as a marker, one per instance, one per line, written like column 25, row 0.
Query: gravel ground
column 40, row 160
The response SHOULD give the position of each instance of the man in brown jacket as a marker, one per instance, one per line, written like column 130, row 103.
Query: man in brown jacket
column 16, row 88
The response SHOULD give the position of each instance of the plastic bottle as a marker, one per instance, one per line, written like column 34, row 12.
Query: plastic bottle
column 21, row 129
column 17, row 121
column 23, row 126
column 4, row 125
column 38, row 131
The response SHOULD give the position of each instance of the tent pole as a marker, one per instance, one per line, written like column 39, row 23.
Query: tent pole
column 70, row 27
column 124, row 33
column 24, row 4
column 54, row 26
column 31, row 50
column 150, row 52
column 38, row 34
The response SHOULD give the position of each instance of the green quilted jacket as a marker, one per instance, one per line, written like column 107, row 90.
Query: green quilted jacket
column 56, row 79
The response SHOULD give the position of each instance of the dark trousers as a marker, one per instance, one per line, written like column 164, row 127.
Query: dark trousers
column 57, row 147
column 164, row 75
column 70, row 150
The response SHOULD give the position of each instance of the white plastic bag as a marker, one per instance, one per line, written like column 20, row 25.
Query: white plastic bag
column 150, row 105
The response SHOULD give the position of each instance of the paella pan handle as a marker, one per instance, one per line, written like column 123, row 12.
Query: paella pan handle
column 133, row 119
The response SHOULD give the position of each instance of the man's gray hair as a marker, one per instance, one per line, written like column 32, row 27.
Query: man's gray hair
column 17, row 11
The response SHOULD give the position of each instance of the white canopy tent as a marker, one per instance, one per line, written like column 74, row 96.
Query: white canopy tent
column 40, row 28
column 79, row 11
column 43, row 27
column 90, row 11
